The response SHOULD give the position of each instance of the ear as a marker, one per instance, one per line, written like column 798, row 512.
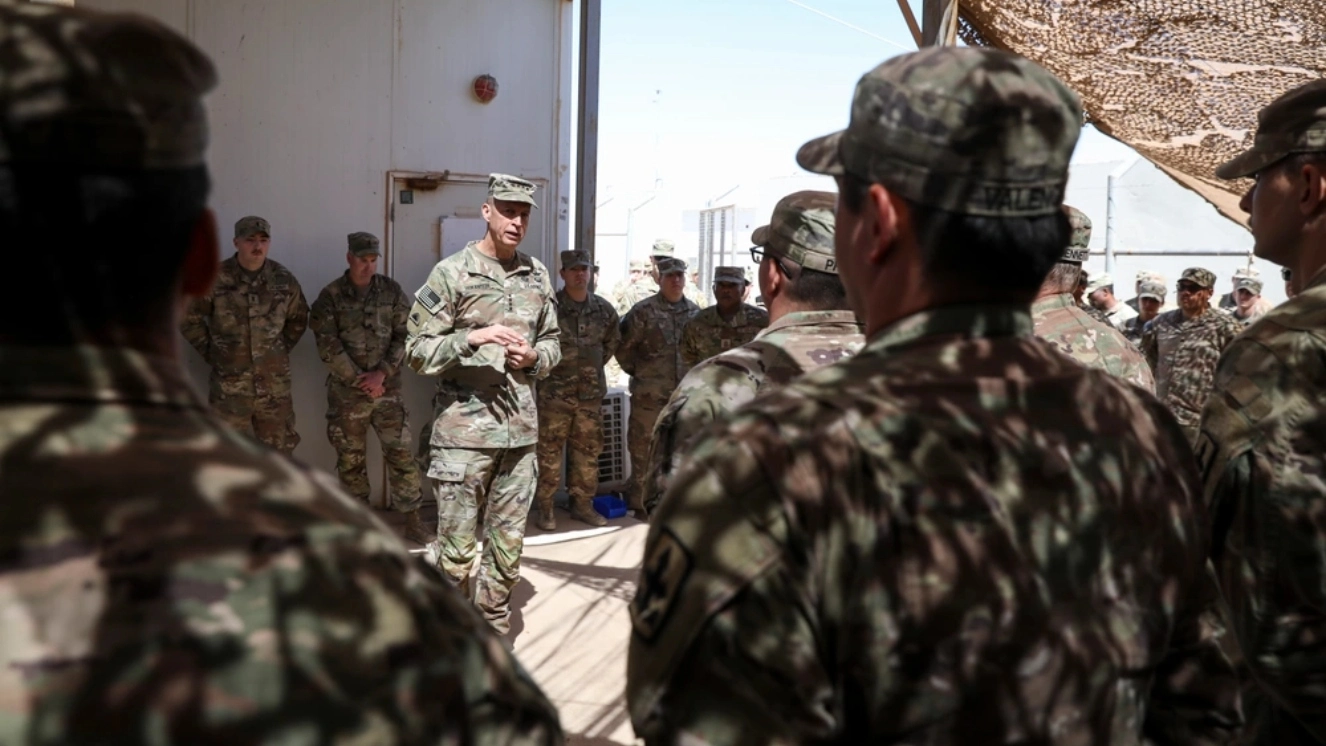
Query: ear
column 1312, row 183
column 486, row 210
column 203, row 260
column 892, row 218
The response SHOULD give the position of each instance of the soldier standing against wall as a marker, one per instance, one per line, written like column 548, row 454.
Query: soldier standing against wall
column 485, row 323
column 359, row 324
column 728, row 324
column 650, row 353
column 245, row 329
column 571, row 397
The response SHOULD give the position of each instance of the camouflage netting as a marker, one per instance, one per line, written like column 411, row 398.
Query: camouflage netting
column 1178, row 80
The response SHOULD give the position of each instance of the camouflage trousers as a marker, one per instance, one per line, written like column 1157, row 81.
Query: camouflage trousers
column 268, row 416
column 576, row 426
column 498, row 485
column 350, row 413
column 639, row 434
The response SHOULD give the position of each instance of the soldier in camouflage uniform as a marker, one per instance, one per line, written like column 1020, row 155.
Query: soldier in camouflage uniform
column 933, row 541
column 1229, row 301
column 485, row 324
column 245, row 329
column 1066, row 326
column 1150, row 298
column 650, row 353
column 665, row 249
column 1100, row 295
column 727, row 324
column 1182, row 346
column 1249, row 303
column 166, row 580
column 635, row 288
column 1262, row 445
column 571, row 397
column 811, row 327
column 359, row 324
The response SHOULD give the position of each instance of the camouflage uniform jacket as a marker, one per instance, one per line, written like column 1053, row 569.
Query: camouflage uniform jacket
column 932, row 542
column 650, row 351
column 708, row 333
column 1263, row 450
column 1259, row 309
column 627, row 294
column 246, row 327
column 361, row 334
column 174, row 582
column 479, row 402
column 589, row 339
column 1063, row 324
column 712, row 390
column 1183, row 355
column 1132, row 330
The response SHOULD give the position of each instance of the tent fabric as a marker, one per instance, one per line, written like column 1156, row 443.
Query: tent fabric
column 1180, row 81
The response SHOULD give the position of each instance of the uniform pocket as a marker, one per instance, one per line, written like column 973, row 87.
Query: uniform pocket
column 450, row 472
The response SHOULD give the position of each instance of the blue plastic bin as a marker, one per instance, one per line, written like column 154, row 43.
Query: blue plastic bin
column 610, row 506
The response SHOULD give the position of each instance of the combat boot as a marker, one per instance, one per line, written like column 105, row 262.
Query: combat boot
column 414, row 529
column 546, row 520
column 583, row 510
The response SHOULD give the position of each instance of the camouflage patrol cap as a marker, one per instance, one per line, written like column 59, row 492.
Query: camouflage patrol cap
column 1077, row 250
column 512, row 189
column 669, row 265
column 1102, row 280
column 1246, row 272
column 1249, row 283
column 731, row 274
column 1293, row 123
column 248, row 226
column 640, row 265
column 1152, row 289
column 102, row 90
column 574, row 259
column 363, row 244
column 1147, row 275
column 971, row 131
column 801, row 231
column 1198, row 276
column 663, row 247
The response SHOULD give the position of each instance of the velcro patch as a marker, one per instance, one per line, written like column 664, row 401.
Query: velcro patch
column 661, row 579
column 429, row 299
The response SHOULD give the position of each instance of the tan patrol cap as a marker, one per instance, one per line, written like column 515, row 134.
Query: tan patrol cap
column 663, row 247
column 801, row 231
column 512, row 189
column 248, row 226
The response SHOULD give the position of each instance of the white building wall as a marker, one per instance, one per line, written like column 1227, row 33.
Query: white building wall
column 320, row 99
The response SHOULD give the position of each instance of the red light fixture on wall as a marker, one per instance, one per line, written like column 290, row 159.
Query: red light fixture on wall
column 485, row 88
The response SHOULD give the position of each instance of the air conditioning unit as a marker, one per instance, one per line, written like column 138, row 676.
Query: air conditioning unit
column 615, row 461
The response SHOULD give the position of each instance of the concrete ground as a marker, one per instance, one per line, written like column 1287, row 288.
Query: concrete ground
column 570, row 625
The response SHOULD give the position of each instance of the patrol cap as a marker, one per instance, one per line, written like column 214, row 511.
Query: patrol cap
column 1147, row 275
column 801, row 231
column 1249, row 283
column 670, row 265
column 1201, row 277
column 102, row 90
column 1246, row 272
column 731, row 274
column 248, row 226
column 512, row 189
column 1079, row 240
column 363, row 244
column 1102, row 280
column 975, row 131
column 663, row 247
column 640, row 265
column 574, row 259
column 1152, row 289
column 1293, row 123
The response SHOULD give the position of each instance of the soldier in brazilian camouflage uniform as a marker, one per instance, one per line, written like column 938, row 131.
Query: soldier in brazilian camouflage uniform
column 1150, row 298
column 571, row 398
column 811, row 327
column 933, row 541
column 166, row 580
column 1068, row 327
column 1262, row 443
column 665, row 249
column 650, row 353
column 245, row 329
column 727, row 324
column 359, row 323
column 1182, row 346
column 485, row 324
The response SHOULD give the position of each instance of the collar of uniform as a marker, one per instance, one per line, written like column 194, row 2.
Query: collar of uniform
column 348, row 287
column 85, row 373
column 242, row 274
column 1053, row 303
column 1317, row 280
column 810, row 318
column 478, row 263
column 971, row 321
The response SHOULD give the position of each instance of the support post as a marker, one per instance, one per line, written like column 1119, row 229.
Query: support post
column 910, row 18
column 587, row 135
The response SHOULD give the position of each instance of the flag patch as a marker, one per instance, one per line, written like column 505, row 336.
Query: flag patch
column 429, row 299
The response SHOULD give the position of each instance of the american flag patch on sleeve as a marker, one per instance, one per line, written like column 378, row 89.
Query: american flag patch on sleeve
column 429, row 299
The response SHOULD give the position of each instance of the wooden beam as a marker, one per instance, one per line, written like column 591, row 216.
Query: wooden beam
column 910, row 18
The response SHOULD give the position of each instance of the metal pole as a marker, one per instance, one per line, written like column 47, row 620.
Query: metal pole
column 1109, row 223
column 587, row 155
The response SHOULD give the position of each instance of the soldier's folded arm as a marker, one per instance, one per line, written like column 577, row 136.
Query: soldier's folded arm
column 433, row 344
column 194, row 326
column 296, row 318
column 326, row 333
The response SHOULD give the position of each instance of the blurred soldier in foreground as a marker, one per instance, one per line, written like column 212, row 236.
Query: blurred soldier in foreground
column 727, row 324
column 1070, row 329
column 811, row 327
column 1250, row 303
column 245, row 329
column 1151, row 298
column 650, row 353
column 665, row 249
column 1263, row 435
column 358, row 322
column 571, row 397
column 1182, row 346
column 165, row 579
column 485, row 323
column 1100, row 294
column 932, row 541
